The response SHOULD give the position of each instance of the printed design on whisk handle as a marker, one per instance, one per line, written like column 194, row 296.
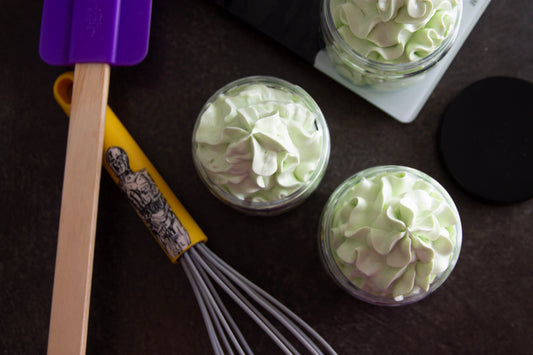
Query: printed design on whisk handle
column 149, row 202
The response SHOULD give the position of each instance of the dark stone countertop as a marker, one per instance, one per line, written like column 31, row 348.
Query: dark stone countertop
column 143, row 304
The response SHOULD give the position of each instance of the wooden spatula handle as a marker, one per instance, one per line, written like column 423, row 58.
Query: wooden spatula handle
column 79, row 205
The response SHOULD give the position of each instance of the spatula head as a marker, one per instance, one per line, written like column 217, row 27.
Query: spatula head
column 95, row 31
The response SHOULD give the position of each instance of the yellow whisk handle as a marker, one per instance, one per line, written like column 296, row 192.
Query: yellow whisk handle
column 161, row 211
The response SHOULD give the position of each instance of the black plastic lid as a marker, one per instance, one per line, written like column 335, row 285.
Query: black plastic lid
column 486, row 139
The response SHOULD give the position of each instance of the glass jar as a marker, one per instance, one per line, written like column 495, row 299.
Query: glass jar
column 261, row 145
column 382, row 73
column 390, row 235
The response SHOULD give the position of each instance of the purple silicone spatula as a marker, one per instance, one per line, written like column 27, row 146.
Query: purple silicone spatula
column 92, row 35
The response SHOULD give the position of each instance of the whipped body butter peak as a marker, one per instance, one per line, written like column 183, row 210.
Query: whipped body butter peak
column 261, row 145
column 388, row 43
column 390, row 235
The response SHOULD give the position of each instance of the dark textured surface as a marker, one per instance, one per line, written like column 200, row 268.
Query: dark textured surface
column 143, row 304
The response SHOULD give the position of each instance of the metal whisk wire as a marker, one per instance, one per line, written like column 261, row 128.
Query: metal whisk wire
column 201, row 264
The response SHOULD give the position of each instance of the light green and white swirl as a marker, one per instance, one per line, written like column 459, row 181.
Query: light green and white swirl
column 393, row 234
column 258, row 142
column 394, row 31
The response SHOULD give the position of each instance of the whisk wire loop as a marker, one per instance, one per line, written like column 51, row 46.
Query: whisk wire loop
column 276, row 307
column 245, row 305
column 230, row 326
column 243, row 283
column 204, row 262
column 194, row 276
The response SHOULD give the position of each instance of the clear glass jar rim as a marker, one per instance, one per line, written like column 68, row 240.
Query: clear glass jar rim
column 320, row 122
column 325, row 229
column 418, row 65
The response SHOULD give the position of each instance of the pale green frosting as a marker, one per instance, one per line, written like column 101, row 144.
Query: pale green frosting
column 393, row 234
column 394, row 31
column 258, row 142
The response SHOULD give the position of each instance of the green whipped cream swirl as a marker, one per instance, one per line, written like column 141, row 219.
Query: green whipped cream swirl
column 394, row 233
column 258, row 142
column 395, row 31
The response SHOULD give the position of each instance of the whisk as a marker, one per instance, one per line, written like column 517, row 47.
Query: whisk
column 200, row 263
column 181, row 238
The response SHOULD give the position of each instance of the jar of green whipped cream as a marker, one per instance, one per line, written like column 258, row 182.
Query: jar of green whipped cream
column 390, row 235
column 261, row 145
column 388, row 44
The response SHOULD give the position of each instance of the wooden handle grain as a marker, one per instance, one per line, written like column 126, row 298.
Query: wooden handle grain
column 79, row 204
